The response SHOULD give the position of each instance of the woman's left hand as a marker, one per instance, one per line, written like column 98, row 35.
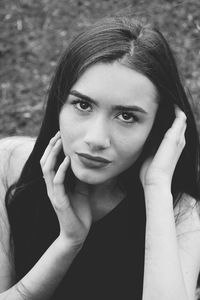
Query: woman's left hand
column 158, row 170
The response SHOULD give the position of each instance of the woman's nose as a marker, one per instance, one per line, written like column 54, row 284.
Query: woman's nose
column 97, row 135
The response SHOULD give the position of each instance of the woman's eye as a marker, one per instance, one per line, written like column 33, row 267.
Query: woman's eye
column 81, row 105
column 128, row 117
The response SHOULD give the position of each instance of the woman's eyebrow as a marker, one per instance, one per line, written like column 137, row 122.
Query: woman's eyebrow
column 114, row 107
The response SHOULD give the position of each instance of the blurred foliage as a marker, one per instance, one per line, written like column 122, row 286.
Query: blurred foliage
column 33, row 35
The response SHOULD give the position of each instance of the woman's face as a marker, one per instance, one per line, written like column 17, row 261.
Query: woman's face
column 108, row 115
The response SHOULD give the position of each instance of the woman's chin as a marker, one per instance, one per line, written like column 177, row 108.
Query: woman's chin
column 88, row 179
column 89, row 175
column 86, row 176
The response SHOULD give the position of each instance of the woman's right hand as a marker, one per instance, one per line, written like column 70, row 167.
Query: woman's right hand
column 73, row 212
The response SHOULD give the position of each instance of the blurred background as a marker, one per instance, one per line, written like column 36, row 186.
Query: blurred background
column 34, row 34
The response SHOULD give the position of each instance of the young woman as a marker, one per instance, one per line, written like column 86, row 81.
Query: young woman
column 104, row 204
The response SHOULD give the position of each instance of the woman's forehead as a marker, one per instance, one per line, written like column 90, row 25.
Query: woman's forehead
column 116, row 84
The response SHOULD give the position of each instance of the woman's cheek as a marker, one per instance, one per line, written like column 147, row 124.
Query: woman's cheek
column 134, row 147
column 66, row 141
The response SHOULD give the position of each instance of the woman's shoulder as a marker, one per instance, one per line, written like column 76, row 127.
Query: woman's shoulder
column 14, row 151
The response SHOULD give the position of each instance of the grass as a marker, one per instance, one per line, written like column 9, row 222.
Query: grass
column 35, row 33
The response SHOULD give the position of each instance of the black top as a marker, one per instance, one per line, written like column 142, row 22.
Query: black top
column 110, row 264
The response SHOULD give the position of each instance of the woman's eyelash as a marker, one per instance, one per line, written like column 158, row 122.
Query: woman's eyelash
column 133, row 116
column 83, row 102
column 78, row 101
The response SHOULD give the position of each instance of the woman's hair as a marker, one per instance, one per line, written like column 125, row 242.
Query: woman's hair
column 140, row 47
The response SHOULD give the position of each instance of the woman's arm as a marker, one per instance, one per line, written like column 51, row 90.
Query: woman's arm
column 163, row 275
column 13, row 154
column 166, row 268
column 172, row 249
column 41, row 281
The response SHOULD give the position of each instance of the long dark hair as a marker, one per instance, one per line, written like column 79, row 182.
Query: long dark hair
column 140, row 47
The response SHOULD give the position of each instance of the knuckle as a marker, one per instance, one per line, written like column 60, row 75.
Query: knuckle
column 49, row 192
column 45, row 171
column 168, row 133
column 53, row 150
column 177, row 141
column 183, row 143
column 49, row 195
column 57, row 181
column 51, row 142
column 171, row 137
column 59, row 204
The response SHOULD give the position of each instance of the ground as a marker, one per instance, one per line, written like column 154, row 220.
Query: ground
column 35, row 33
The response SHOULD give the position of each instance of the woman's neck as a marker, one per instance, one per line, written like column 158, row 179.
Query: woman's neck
column 102, row 197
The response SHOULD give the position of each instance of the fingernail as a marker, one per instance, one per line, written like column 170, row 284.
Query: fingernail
column 179, row 111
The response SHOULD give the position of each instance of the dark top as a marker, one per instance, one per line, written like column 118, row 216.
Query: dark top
column 110, row 265
column 111, row 262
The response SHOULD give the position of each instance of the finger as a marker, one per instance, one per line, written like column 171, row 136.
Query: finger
column 48, row 168
column 49, row 147
column 177, row 130
column 50, row 162
column 180, row 119
column 51, row 183
column 58, row 182
column 184, row 130
column 179, row 112
column 174, row 140
column 60, row 201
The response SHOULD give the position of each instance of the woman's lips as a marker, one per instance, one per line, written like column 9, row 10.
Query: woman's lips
column 95, row 158
column 92, row 163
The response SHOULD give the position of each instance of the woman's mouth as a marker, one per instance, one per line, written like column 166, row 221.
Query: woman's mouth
column 93, row 161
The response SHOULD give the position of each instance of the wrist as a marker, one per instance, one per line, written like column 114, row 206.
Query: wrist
column 158, row 203
column 156, row 180
column 157, row 188
column 158, row 192
column 68, row 245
